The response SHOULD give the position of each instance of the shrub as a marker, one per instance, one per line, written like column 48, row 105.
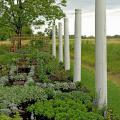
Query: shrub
column 63, row 110
column 5, row 117
column 19, row 94
column 3, row 37
column 48, row 68
column 85, row 98
column 64, row 86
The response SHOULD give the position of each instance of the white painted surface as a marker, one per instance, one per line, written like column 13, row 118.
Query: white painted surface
column 77, row 47
column 101, row 53
column 60, row 42
column 54, row 41
column 66, row 44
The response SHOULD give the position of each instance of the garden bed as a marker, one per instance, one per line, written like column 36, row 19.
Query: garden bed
column 42, row 90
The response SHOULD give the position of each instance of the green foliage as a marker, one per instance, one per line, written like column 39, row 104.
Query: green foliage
column 88, row 54
column 63, row 109
column 41, row 72
column 4, row 70
column 115, row 116
column 113, row 89
column 4, row 49
column 37, row 43
column 111, row 115
column 3, row 37
column 19, row 77
column 4, row 117
column 88, row 61
column 26, row 30
column 6, row 57
column 17, row 14
column 42, row 59
column 48, row 67
column 5, row 32
column 85, row 98
column 17, row 95
column 50, row 92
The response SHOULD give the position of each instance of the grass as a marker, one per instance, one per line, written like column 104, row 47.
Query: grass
column 113, row 90
column 88, row 80
column 5, row 56
column 114, row 58
column 88, row 61
column 88, row 54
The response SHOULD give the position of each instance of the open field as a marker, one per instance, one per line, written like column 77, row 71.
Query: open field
column 24, row 42
column 113, row 56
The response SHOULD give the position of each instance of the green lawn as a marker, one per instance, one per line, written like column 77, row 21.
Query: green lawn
column 88, row 80
column 88, row 58
column 88, row 54
column 113, row 89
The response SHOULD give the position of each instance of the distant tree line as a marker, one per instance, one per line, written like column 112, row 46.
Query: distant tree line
column 93, row 37
column 115, row 36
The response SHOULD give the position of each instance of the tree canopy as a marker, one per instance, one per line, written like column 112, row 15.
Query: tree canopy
column 15, row 14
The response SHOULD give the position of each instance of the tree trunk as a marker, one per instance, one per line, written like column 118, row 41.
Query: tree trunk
column 19, row 41
column 19, row 35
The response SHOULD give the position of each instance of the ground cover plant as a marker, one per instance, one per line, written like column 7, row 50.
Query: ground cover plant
column 63, row 108
column 4, row 117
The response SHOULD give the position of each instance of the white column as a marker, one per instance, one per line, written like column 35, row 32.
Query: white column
column 66, row 44
column 60, row 43
column 53, row 41
column 101, row 53
column 77, row 47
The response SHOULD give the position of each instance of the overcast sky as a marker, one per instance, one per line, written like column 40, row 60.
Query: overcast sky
column 88, row 16
column 89, row 4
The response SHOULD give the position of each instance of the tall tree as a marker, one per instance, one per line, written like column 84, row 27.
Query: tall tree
column 15, row 14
